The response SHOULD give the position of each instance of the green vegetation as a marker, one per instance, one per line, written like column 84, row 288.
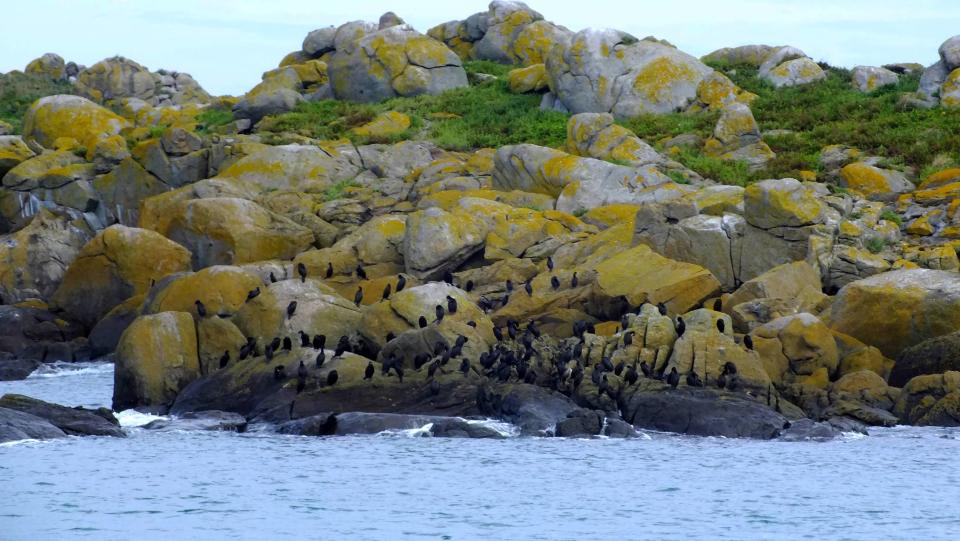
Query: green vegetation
column 338, row 190
column 156, row 130
column 19, row 90
column 891, row 216
column 875, row 244
column 213, row 117
column 727, row 172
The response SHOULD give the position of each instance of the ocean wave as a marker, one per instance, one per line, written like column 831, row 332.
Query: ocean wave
column 62, row 369
column 19, row 442
column 132, row 418
column 502, row 427
column 422, row 432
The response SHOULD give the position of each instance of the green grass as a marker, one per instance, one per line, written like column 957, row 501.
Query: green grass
column 338, row 190
column 19, row 90
column 891, row 216
column 875, row 245
column 212, row 118
column 156, row 130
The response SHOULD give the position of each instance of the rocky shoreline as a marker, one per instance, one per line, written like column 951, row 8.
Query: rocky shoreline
column 239, row 275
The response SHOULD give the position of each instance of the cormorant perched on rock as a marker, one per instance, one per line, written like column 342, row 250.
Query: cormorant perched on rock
column 505, row 300
column 247, row 348
column 528, row 287
column 498, row 334
column 273, row 279
column 201, row 309
column 469, row 286
column 302, row 372
column 304, row 339
column 401, row 282
column 717, row 305
column 279, row 372
column 342, row 346
column 287, row 343
column 275, row 343
column 465, row 366
column 439, row 311
column 729, row 367
column 224, row 359
column 509, row 286
column 628, row 339
column 673, row 378
column 358, row 296
column 747, row 341
column 693, row 379
column 302, row 271
column 451, row 305
column 631, row 376
column 321, row 357
column 681, row 326
column 319, row 341
column 398, row 368
column 361, row 274
column 252, row 294
column 268, row 352
column 472, row 323
column 332, row 378
column 386, row 292
column 291, row 308
column 662, row 308
column 422, row 322
column 720, row 325
column 532, row 329
column 448, row 277
column 329, row 270
column 607, row 364
column 619, row 368
column 722, row 379
column 554, row 283
column 368, row 372
column 646, row 370
column 550, row 263
column 604, row 387
column 574, row 281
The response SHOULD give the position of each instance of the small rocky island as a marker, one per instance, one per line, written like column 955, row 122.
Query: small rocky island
column 576, row 232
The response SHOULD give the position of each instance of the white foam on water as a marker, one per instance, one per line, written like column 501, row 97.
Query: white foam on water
column 19, row 442
column 852, row 436
column 422, row 432
column 132, row 418
column 501, row 427
column 62, row 369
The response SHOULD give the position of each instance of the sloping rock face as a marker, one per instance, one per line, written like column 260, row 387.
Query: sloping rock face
column 610, row 71
column 53, row 117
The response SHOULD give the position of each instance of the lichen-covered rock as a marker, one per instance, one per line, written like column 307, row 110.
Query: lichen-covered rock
column 932, row 356
column 950, row 90
column 578, row 183
column 13, row 151
column 34, row 260
column 227, row 231
column 737, row 137
column 118, row 263
column 870, row 78
column 222, row 290
column 744, row 54
column 156, row 358
column 611, row 71
column 930, row 400
column 53, row 117
column 436, row 241
column 799, row 71
column 395, row 61
column 949, row 52
column 276, row 94
column 596, row 135
column 384, row 126
column 803, row 346
column 873, row 181
column 115, row 78
column 301, row 168
column 50, row 65
column 716, row 91
column 911, row 305
column 529, row 79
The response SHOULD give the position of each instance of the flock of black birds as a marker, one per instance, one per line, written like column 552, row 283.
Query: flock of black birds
column 514, row 356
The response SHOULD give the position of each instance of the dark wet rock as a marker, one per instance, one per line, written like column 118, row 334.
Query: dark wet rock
column 321, row 424
column 535, row 410
column 373, row 423
column 846, row 424
column 17, row 425
column 460, row 428
column 701, row 412
column 13, row 369
column 580, row 423
column 618, row 428
column 933, row 356
column 72, row 421
column 809, row 430
column 202, row 420
column 33, row 333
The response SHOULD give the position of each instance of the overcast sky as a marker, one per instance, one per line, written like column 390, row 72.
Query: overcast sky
column 227, row 44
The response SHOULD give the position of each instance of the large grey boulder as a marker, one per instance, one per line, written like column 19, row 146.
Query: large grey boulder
column 16, row 425
column 870, row 78
column 950, row 53
column 72, row 421
column 115, row 78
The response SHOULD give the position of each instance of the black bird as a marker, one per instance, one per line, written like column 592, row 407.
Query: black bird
column 681, row 326
column 287, row 343
column 693, row 380
column 291, row 308
column 268, row 352
column 386, row 292
column 398, row 368
column 368, row 373
column 224, row 359
column 528, row 287
column 469, row 286
column 631, row 376
column 461, row 340
column 279, row 372
column 604, row 387
column 302, row 271
column 332, row 378
column 302, row 371
column 358, row 296
column 498, row 334
column 247, row 348
column 673, row 378
column 550, row 263
column 252, row 294
column 747, row 342
column 662, row 308
column 720, row 325
column 432, row 369
column 717, row 305
column 304, row 339
column 619, row 369
column 439, row 311
column 532, row 329
column 729, row 368
column 607, row 364
column 275, row 343
column 465, row 366
column 574, row 281
column 505, row 300
column 448, row 277
column 451, row 305
column 578, row 350
column 273, row 279
column 554, row 283
column 342, row 346
column 401, row 282
column 201, row 309
column 472, row 323
column 321, row 357
column 645, row 368
column 361, row 274
column 509, row 286
column 319, row 341
column 627, row 339
column 722, row 379
column 422, row 322
column 329, row 270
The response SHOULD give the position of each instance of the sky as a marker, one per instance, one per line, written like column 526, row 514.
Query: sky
column 227, row 44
